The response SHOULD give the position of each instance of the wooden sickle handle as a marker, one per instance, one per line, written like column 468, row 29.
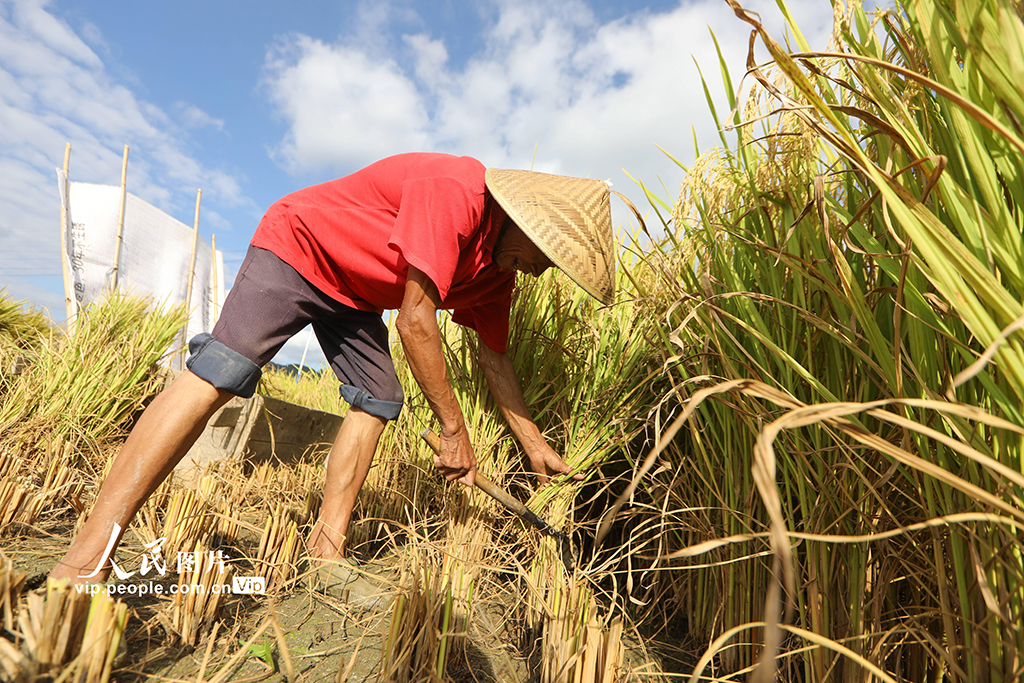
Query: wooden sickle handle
column 484, row 484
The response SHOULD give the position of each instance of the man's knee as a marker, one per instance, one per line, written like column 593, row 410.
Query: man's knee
column 387, row 404
column 222, row 367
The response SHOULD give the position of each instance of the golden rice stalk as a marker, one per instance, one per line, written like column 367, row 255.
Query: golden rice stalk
column 52, row 626
column 207, row 485
column 547, row 577
column 462, row 560
column 84, row 388
column 250, row 487
column 468, row 541
column 62, row 482
column 308, row 475
column 263, row 477
column 211, row 487
column 18, row 498
column 280, row 548
column 186, row 521
column 297, row 485
column 10, row 459
column 222, row 488
column 270, row 480
column 227, row 523
column 309, row 485
column 316, row 389
column 11, row 583
column 17, row 503
column 203, row 585
column 102, row 637
column 24, row 497
column 21, row 324
column 14, row 665
column 421, row 625
column 578, row 645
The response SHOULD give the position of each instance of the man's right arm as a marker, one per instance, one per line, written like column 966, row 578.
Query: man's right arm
column 421, row 339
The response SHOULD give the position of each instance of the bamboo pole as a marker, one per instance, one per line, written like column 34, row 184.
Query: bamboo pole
column 70, row 302
column 120, row 217
column 191, row 277
column 192, row 261
column 215, row 309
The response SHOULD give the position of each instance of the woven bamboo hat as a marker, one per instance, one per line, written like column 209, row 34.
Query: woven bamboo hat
column 569, row 219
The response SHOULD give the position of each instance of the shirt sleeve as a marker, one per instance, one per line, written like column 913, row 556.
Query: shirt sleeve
column 490, row 321
column 436, row 219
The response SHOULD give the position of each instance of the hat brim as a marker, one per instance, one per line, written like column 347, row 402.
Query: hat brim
column 569, row 219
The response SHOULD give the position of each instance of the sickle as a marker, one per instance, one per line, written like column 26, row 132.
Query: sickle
column 513, row 505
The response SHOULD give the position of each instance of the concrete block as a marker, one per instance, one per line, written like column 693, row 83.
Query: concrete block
column 259, row 429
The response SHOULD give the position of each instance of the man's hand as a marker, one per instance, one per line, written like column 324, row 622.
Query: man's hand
column 501, row 378
column 546, row 463
column 456, row 459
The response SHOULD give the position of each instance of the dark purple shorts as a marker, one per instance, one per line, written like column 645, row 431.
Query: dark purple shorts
column 268, row 304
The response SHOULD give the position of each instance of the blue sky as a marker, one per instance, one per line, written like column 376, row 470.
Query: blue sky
column 252, row 100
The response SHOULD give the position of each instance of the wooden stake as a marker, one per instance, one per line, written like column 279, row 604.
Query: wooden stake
column 195, row 243
column 71, row 302
column 191, row 277
column 215, row 310
column 120, row 218
column 69, row 295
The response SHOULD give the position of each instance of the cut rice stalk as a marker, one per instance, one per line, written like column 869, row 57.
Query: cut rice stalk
column 203, row 585
column 11, row 583
column 280, row 548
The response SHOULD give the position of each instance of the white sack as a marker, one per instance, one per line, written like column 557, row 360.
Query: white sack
column 156, row 251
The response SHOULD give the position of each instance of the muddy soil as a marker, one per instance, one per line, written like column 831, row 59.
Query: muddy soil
column 322, row 638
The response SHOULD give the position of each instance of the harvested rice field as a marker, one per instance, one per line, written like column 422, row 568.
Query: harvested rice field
column 322, row 637
column 444, row 572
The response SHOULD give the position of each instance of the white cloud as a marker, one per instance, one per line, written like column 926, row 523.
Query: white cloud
column 91, row 34
column 593, row 98
column 310, row 83
column 430, row 57
column 54, row 88
column 194, row 117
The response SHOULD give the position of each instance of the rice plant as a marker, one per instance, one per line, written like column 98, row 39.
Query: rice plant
column 203, row 585
column 82, row 389
column 314, row 388
column 22, row 331
column 12, row 581
column 847, row 300
column 280, row 548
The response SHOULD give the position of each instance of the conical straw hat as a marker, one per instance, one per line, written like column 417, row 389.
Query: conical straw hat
column 569, row 219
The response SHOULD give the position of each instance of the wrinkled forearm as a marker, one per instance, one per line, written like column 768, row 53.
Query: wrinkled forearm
column 421, row 340
column 508, row 393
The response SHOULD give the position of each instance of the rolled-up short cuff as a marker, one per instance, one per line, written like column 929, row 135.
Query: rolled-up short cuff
column 360, row 398
column 220, row 366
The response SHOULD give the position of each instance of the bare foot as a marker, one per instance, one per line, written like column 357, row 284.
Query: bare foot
column 80, row 570
column 324, row 544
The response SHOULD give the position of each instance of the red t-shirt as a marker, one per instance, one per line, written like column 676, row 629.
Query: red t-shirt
column 354, row 238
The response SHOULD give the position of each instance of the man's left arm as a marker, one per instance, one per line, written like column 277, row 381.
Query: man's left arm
column 504, row 384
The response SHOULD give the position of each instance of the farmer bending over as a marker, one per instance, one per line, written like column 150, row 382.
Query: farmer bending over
column 414, row 232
